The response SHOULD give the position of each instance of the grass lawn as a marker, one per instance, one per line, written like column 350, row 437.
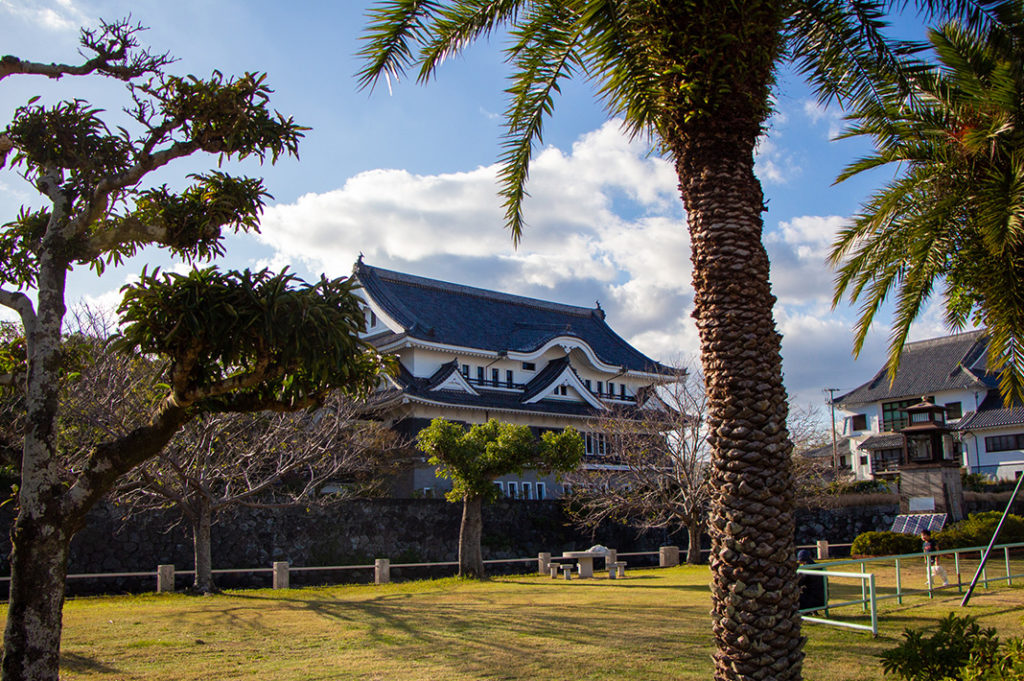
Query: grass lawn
column 654, row 624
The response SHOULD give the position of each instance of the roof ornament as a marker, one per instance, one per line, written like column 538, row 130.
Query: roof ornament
column 360, row 258
column 598, row 310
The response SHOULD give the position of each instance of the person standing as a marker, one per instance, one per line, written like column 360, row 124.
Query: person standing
column 812, row 587
column 928, row 546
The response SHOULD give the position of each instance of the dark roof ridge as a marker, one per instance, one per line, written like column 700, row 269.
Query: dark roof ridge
column 426, row 282
column 944, row 340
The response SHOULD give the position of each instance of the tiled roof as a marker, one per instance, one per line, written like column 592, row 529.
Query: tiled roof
column 991, row 414
column 948, row 363
column 825, row 451
column 883, row 441
column 442, row 374
column 425, row 390
column 441, row 312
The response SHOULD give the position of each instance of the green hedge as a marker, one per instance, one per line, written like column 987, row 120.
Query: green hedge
column 977, row 530
column 885, row 544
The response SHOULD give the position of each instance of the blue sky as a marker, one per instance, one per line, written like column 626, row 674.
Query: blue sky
column 408, row 179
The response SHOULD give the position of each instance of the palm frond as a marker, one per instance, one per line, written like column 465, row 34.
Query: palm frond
column 545, row 53
column 395, row 27
column 458, row 25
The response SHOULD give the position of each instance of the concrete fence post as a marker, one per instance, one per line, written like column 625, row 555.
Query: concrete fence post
column 280, row 574
column 381, row 571
column 668, row 556
column 543, row 563
column 165, row 578
column 822, row 549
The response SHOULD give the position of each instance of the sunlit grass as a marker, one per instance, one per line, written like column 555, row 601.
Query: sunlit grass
column 655, row 624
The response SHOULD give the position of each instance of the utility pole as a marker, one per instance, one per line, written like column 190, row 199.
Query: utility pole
column 835, row 447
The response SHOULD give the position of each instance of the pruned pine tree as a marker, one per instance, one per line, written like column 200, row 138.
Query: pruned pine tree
column 227, row 341
column 951, row 221
column 698, row 78
column 472, row 459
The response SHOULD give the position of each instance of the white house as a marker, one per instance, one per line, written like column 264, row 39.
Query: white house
column 469, row 354
column 951, row 372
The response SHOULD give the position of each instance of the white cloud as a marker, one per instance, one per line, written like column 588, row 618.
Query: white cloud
column 772, row 164
column 798, row 249
column 818, row 114
column 58, row 15
column 604, row 221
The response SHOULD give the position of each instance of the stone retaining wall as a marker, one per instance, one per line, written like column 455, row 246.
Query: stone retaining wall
column 403, row 530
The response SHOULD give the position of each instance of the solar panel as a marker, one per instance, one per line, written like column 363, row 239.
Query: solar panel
column 913, row 523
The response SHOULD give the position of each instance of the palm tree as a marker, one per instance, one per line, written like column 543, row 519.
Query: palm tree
column 696, row 76
column 954, row 215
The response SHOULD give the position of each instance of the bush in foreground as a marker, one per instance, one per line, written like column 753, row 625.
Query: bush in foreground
column 960, row 650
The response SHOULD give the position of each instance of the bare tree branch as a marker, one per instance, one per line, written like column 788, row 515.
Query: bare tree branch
column 22, row 304
column 649, row 464
column 117, row 55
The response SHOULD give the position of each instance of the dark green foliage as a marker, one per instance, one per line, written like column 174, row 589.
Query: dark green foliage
column 885, row 544
column 950, row 221
column 859, row 487
column 296, row 340
column 473, row 459
column 997, row 663
column 977, row 529
column 979, row 482
column 943, row 654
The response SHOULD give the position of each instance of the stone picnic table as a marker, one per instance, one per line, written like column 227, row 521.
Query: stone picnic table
column 586, row 560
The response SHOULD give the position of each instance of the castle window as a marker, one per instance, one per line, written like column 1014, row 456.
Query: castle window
column 529, row 366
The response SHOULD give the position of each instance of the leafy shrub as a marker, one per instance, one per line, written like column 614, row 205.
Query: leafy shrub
column 958, row 642
column 859, row 487
column 885, row 544
column 979, row 482
column 977, row 530
column 1004, row 663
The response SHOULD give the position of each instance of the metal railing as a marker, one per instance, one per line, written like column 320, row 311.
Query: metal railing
column 871, row 593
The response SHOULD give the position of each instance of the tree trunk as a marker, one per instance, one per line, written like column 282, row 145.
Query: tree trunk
column 42, row 531
column 201, row 541
column 38, row 574
column 693, row 530
column 754, row 588
column 471, row 562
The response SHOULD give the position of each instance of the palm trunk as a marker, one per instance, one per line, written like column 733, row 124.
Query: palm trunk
column 471, row 562
column 693, row 531
column 203, row 554
column 754, row 586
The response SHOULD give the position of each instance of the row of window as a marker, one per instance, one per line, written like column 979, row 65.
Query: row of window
column 600, row 392
column 596, row 444
column 496, row 381
column 894, row 416
column 1004, row 443
column 521, row 490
